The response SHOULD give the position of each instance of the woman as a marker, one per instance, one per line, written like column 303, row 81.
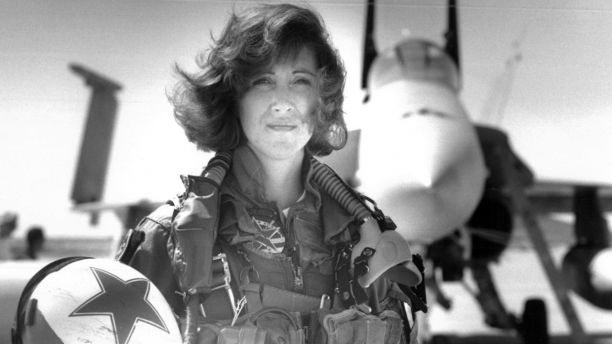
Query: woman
column 268, row 96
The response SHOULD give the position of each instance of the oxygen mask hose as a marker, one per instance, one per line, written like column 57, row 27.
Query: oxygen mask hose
column 217, row 167
column 377, row 253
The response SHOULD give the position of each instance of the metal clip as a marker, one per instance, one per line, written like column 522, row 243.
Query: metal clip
column 363, row 307
column 325, row 302
column 238, row 309
column 361, row 262
column 226, row 280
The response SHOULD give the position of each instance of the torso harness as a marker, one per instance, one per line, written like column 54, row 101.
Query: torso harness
column 201, row 268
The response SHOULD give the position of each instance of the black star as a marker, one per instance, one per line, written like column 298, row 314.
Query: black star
column 125, row 302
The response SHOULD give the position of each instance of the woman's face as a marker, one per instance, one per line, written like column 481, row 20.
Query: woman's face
column 277, row 110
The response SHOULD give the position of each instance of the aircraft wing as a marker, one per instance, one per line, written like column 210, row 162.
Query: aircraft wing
column 129, row 213
column 557, row 196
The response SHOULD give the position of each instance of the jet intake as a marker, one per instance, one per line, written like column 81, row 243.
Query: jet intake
column 586, row 265
column 587, row 272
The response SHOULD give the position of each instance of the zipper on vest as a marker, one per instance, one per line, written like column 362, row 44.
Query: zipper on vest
column 298, row 279
column 291, row 249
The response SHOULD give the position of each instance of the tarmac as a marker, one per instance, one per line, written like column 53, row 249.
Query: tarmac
column 518, row 274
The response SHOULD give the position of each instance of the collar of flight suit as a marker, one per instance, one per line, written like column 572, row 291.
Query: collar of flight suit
column 246, row 181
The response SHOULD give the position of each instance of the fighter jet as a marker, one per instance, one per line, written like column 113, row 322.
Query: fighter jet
column 456, row 187
column 452, row 186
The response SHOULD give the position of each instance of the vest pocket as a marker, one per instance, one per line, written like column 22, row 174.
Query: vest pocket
column 309, row 238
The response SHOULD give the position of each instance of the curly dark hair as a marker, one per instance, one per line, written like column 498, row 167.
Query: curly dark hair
column 205, row 102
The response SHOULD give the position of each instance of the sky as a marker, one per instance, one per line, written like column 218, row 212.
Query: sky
column 541, row 70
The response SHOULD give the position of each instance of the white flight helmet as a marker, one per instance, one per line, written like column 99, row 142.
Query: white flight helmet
column 87, row 300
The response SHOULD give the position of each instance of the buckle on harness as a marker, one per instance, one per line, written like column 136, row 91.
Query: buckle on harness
column 241, row 303
column 361, row 262
column 221, row 258
column 347, row 287
column 220, row 264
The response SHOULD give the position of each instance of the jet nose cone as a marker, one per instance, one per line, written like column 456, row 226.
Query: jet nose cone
column 433, row 148
column 420, row 159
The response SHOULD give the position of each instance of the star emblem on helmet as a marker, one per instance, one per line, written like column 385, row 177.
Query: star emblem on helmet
column 125, row 302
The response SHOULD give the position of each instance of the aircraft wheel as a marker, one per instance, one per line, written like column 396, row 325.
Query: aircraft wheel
column 534, row 325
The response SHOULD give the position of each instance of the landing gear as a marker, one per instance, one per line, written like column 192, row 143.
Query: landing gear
column 533, row 325
column 488, row 298
column 533, row 328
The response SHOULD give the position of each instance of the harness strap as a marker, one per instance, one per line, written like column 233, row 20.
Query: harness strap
column 347, row 288
column 193, row 234
column 195, row 227
column 262, row 296
column 196, row 223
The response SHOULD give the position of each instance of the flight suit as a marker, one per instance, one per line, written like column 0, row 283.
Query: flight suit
column 277, row 258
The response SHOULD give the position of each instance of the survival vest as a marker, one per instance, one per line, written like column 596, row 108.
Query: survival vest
column 179, row 239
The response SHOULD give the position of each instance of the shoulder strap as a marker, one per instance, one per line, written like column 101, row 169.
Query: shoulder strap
column 194, row 227
column 165, row 243
column 193, row 236
column 185, row 222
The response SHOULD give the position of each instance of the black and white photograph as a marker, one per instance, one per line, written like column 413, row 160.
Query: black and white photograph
column 305, row 172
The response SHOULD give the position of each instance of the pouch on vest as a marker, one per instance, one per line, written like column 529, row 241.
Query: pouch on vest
column 353, row 326
column 269, row 325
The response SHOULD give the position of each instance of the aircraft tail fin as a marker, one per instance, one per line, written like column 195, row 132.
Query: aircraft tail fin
column 90, row 175
column 452, row 47
column 369, row 46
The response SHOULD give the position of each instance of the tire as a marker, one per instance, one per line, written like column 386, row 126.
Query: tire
column 534, row 324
